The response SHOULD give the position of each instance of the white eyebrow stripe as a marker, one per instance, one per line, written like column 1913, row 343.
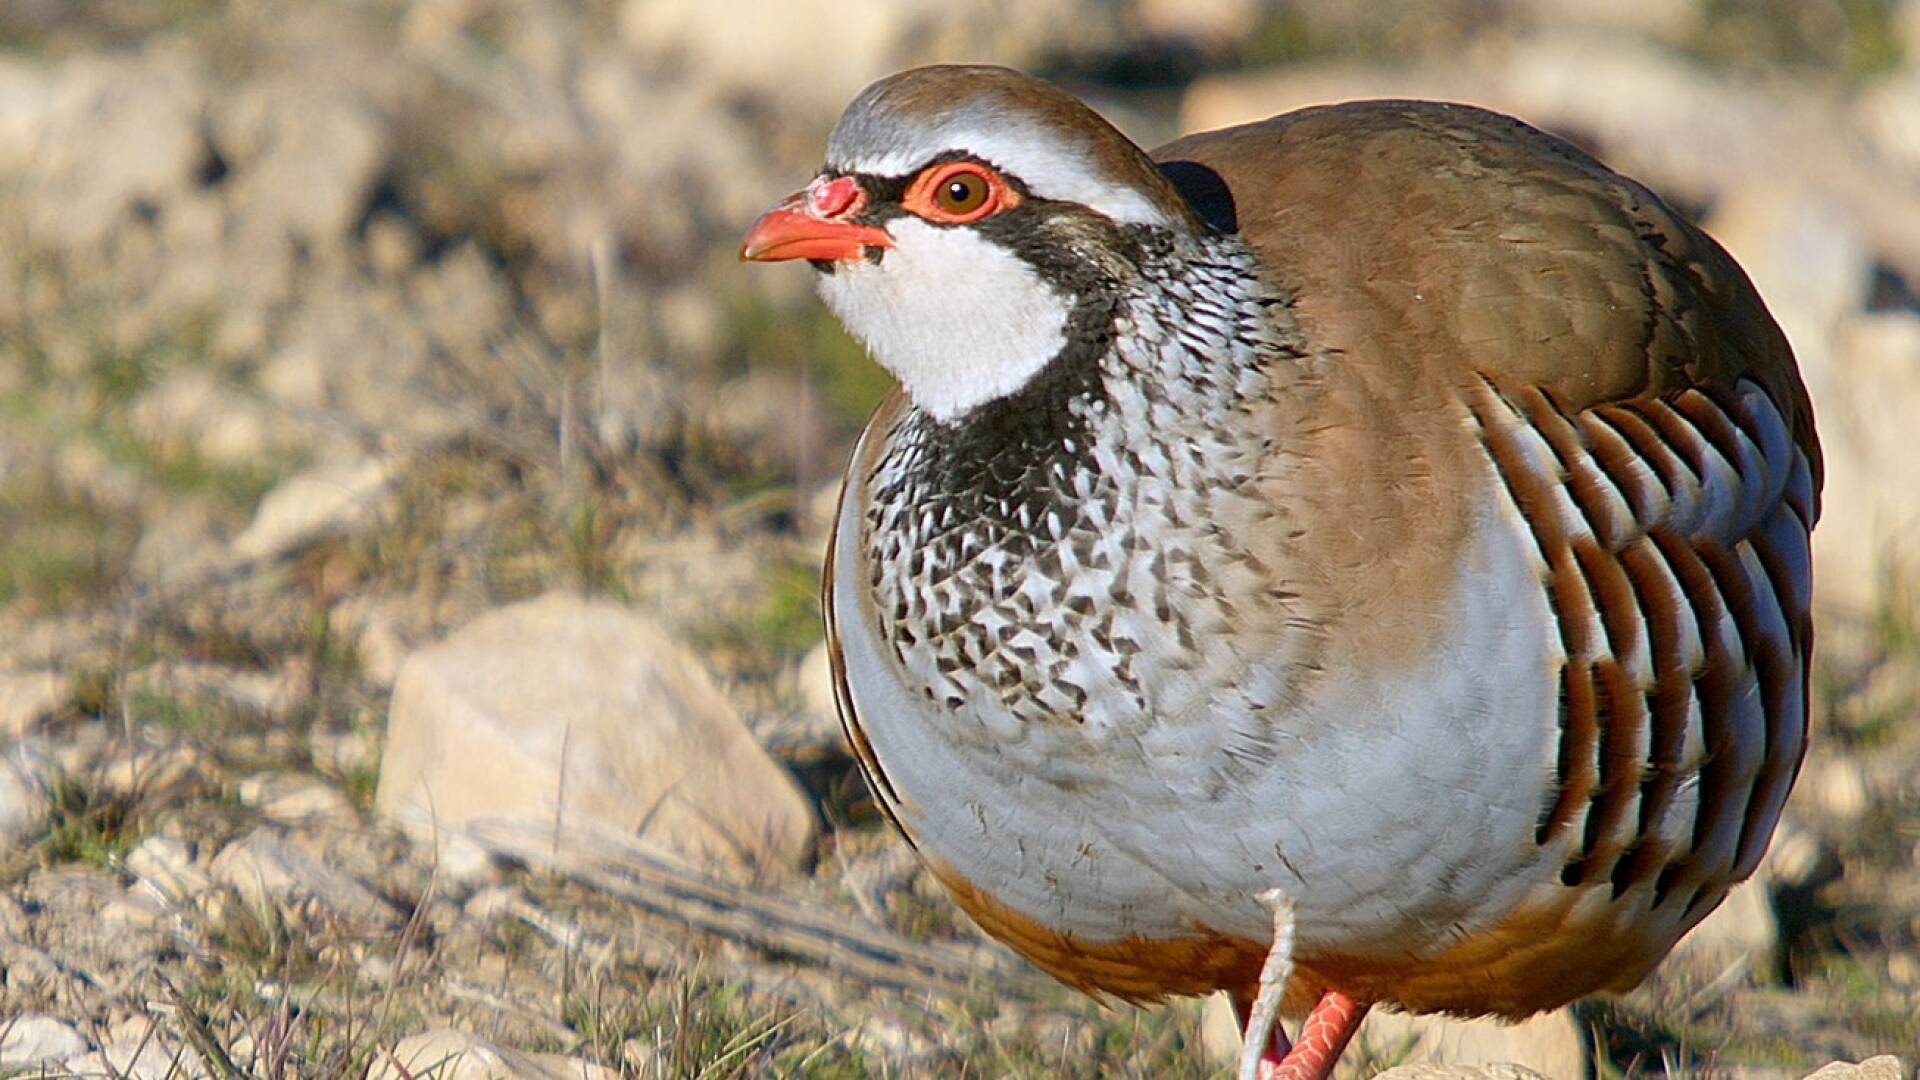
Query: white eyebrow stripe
column 1040, row 159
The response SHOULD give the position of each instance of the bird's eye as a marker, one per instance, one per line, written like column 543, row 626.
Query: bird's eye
column 959, row 192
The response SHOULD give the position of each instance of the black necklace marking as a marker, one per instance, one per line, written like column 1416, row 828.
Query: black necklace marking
column 1007, row 463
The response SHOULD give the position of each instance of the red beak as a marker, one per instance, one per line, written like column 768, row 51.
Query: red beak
column 810, row 224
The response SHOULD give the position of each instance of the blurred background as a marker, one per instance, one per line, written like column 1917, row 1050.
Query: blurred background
column 392, row 450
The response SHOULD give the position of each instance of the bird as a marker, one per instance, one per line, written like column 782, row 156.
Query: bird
column 1359, row 558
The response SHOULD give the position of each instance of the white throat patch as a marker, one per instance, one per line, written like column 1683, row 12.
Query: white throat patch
column 958, row 319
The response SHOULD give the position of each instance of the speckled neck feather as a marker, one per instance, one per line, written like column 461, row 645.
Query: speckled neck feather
column 1025, row 555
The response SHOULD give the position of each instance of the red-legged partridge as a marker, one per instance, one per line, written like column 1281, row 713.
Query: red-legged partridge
column 1360, row 556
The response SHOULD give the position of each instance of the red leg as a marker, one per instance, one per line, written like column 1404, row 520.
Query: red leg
column 1324, row 1034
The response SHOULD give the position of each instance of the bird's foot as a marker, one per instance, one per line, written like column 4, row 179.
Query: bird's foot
column 1263, row 1042
column 1265, row 1052
column 1324, row 1034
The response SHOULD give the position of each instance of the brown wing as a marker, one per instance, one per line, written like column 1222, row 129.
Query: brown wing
column 1461, row 242
column 1641, row 409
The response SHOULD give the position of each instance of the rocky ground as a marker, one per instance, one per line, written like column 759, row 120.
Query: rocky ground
column 328, row 329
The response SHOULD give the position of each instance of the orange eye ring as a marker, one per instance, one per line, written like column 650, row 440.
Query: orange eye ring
column 958, row 192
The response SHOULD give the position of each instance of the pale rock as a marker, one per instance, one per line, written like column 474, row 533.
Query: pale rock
column 816, row 682
column 296, row 375
column 1889, row 114
column 158, row 775
column 304, row 157
column 1806, row 253
column 26, row 699
column 345, row 753
column 1903, row 970
column 265, row 870
column 92, row 136
column 1798, row 857
column 1218, row 101
column 26, row 777
column 776, row 419
column 327, row 500
column 1866, row 396
column 562, row 713
column 271, row 693
column 1884, row 1067
column 692, row 323
column 139, row 1057
column 241, row 330
column 811, row 732
column 85, row 466
column 887, row 1038
column 166, row 866
column 219, row 421
column 367, row 349
column 1662, row 20
column 1551, row 1043
column 80, row 751
column 1743, row 929
column 378, row 628
column 1890, row 693
column 33, row 1040
column 26, row 102
column 812, row 66
column 1833, row 788
column 291, row 799
column 493, row 902
column 135, row 912
column 449, row 1054
column 1431, row 1071
column 784, row 51
column 666, row 136
column 393, row 245
column 187, row 544
column 818, row 511
column 1214, row 27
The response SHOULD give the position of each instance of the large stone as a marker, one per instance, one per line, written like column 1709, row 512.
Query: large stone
column 570, row 713
column 305, row 158
column 28, row 1042
column 1884, row 1067
column 94, row 137
column 326, row 500
column 448, row 1054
